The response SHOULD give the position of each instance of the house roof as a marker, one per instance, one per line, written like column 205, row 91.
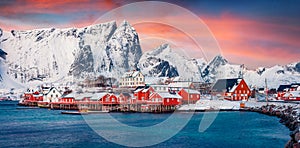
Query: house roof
column 283, row 87
column 97, row 96
column 180, row 85
column 157, row 88
column 191, row 91
column 225, row 84
column 295, row 93
column 70, row 95
column 130, row 74
column 138, row 90
column 295, row 85
column 169, row 95
column 127, row 94
column 51, row 90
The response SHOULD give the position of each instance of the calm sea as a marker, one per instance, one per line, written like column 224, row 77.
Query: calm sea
column 49, row 128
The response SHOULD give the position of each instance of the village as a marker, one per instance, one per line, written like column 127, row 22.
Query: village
column 134, row 95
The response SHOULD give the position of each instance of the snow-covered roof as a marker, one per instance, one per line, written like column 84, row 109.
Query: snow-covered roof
column 153, row 80
column 138, row 90
column 127, row 94
column 180, row 84
column 169, row 95
column 233, row 88
column 295, row 93
column 97, row 96
column 83, row 95
column 192, row 91
column 131, row 74
column 70, row 95
column 160, row 88
column 145, row 90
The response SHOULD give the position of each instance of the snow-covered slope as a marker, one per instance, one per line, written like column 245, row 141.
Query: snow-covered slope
column 53, row 53
column 275, row 75
column 5, row 81
column 163, row 61
column 218, row 68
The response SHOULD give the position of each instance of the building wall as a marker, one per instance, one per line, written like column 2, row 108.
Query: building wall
column 68, row 100
column 171, row 101
column 139, row 80
column 188, row 98
column 242, row 92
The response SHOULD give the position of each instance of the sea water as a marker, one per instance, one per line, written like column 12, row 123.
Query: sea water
column 50, row 128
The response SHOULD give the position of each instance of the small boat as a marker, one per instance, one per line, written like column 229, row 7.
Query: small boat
column 97, row 112
column 43, row 105
column 74, row 112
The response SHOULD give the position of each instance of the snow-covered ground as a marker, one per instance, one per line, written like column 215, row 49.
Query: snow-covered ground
column 206, row 104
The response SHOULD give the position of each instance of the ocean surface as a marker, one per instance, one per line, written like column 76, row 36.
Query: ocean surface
column 50, row 128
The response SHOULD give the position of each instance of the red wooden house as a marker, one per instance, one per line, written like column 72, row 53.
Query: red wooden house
column 28, row 96
column 124, row 98
column 231, row 89
column 37, row 96
column 189, row 96
column 142, row 94
column 166, row 99
column 67, row 98
column 292, row 96
column 282, row 89
column 104, row 98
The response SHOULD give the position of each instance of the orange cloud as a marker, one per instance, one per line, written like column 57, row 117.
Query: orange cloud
column 261, row 43
column 55, row 7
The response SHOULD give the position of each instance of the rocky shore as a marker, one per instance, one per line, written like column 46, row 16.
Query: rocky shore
column 289, row 115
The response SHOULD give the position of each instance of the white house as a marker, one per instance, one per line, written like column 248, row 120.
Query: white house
column 132, row 79
column 52, row 95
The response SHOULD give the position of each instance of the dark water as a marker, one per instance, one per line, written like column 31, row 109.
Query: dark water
column 49, row 128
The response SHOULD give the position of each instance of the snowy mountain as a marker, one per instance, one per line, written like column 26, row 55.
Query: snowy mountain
column 163, row 61
column 51, row 54
column 63, row 54
column 275, row 75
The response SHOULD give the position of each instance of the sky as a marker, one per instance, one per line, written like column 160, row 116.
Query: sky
column 254, row 33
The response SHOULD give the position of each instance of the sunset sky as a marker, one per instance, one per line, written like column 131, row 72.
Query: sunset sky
column 254, row 33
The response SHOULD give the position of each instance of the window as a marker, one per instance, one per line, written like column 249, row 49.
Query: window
column 167, row 100
column 242, row 86
column 141, row 79
column 244, row 91
column 240, row 91
column 53, row 91
column 191, row 96
column 51, row 96
column 177, row 100
column 56, row 96
column 107, row 99
column 113, row 99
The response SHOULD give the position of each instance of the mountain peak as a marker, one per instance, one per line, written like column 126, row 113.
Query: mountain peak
column 162, row 48
column 1, row 32
column 219, row 59
column 125, row 23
